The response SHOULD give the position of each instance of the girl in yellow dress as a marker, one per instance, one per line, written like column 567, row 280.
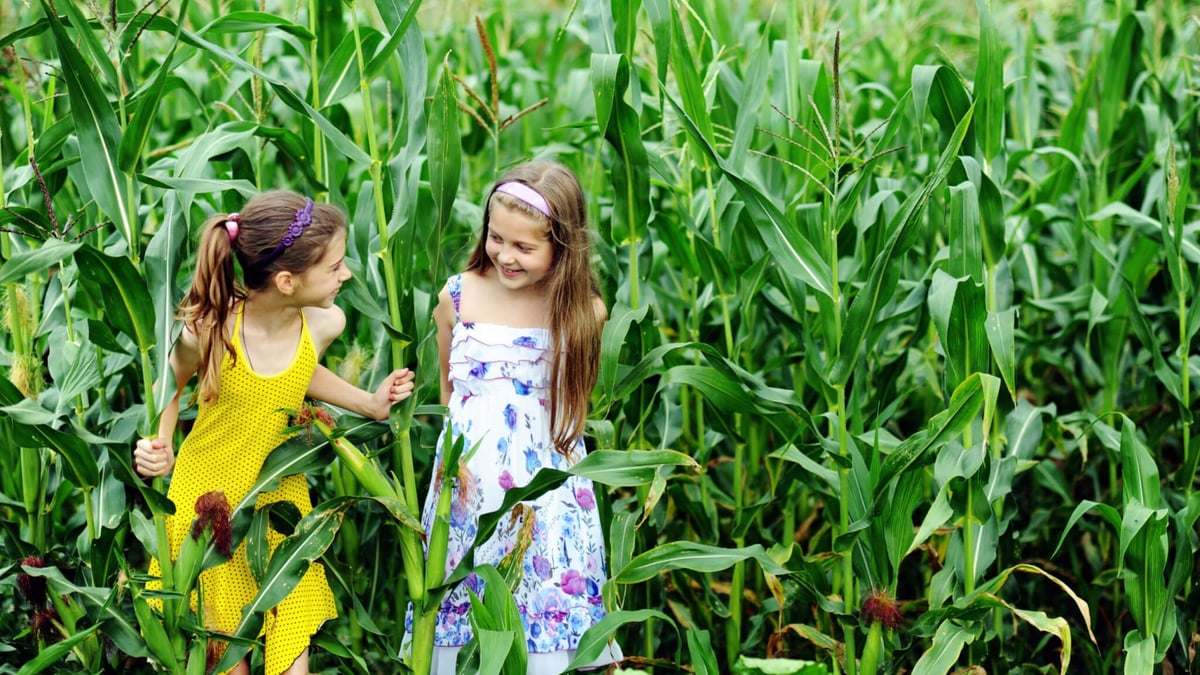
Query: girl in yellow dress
column 255, row 347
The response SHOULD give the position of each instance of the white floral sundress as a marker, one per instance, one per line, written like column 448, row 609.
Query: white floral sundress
column 499, row 377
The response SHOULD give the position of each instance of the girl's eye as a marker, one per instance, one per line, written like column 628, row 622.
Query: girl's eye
column 522, row 248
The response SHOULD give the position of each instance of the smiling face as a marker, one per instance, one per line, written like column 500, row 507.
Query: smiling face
column 519, row 248
column 319, row 284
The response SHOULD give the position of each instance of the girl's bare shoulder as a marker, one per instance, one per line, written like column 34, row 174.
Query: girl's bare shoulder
column 325, row 324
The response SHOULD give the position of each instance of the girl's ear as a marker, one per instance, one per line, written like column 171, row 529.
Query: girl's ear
column 285, row 282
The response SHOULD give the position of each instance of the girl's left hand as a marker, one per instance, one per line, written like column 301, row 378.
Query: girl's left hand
column 396, row 387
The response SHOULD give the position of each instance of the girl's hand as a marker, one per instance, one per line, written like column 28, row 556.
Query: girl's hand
column 153, row 458
column 396, row 387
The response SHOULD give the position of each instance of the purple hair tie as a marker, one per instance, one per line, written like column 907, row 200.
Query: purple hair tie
column 526, row 194
column 302, row 221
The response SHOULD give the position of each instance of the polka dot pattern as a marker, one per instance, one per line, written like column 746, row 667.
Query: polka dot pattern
column 225, row 451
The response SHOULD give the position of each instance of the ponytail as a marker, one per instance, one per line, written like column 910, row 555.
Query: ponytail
column 205, row 308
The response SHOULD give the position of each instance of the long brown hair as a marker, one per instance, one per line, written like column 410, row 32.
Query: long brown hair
column 260, row 227
column 572, row 288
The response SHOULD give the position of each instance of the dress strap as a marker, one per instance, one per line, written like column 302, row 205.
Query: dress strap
column 454, row 285
column 237, row 325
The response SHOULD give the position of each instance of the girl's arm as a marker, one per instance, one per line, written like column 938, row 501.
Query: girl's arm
column 443, row 316
column 328, row 387
column 156, row 457
column 324, row 325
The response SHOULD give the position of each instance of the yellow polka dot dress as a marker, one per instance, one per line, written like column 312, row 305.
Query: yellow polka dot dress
column 225, row 451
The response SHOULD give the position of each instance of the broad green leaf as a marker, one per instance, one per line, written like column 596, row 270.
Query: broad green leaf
column 340, row 76
column 989, row 85
column 1138, row 469
column 966, row 246
column 605, row 71
column 947, row 644
column 881, row 281
column 40, row 259
column 494, row 649
column 629, row 468
column 289, row 562
column 595, row 639
column 98, row 131
column 621, row 317
column 52, row 653
column 444, row 149
column 795, row 254
column 722, row 392
column 126, row 299
column 1001, row 336
column 243, row 21
column 965, row 402
column 688, row 79
column 1139, row 653
column 80, row 465
column 692, row 556
column 137, row 132
column 704, row 660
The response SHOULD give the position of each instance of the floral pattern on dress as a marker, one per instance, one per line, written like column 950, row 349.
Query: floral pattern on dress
column 500, row 379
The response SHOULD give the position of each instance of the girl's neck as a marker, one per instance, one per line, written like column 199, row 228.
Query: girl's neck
column 269, row 314
column 270, row 333
column 489, row 302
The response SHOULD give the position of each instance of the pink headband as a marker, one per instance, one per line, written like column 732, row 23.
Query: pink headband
column 231, row 225
column 526, row 194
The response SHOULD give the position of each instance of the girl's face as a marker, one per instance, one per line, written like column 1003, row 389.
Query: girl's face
column 519, row 248
column 320, row 283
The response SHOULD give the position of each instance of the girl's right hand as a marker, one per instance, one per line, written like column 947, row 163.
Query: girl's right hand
column 153, row 458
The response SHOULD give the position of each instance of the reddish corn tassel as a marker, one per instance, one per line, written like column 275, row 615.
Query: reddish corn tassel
column 880, row 607
column 212, row 511
column 31, row 587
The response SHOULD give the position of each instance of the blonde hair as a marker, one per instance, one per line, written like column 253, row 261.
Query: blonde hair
column 572, row 289
column 258, row 248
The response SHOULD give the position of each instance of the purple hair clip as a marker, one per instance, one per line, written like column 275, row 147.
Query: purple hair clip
column 299, row 224
column 526, row 194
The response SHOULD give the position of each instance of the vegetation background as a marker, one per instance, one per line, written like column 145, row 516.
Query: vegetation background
column 899, row 369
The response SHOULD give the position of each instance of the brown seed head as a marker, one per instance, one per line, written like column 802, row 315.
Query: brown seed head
column 880, row 607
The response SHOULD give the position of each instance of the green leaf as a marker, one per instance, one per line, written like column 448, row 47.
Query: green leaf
column 80, row 465
column 243, row 21
column 97, row 128
column 692, row 556
column 137, row 132
column 127, row 302
column 1001, row 329
column 41, row 259
column 989, row 85
column 704, row 660
column 1139, row 653
column 49, row 655
column 595, row 640
column 794, row 253
column 629, row 468
column 340, row 76
column 444, row 149
column 289, row 562
column 965, row 402
column 948, row 643
column 882, row 279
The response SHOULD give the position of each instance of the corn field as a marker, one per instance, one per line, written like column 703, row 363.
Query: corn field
column 899, row 370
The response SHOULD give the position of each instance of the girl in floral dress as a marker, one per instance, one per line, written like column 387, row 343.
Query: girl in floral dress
column 519, row 345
